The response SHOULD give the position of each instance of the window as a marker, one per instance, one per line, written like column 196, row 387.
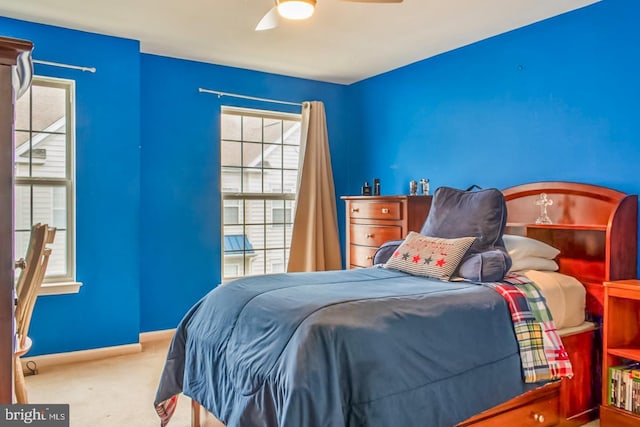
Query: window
column 280, row 216
column 259, row 170
column 44, row 171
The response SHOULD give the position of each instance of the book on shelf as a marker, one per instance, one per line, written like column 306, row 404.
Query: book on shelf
column 635, row 396
column 624, row 387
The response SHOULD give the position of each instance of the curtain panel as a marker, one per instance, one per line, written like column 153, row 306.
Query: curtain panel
column 315, row 242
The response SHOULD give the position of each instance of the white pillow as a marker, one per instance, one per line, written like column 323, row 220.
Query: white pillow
column 521, row 246
column 533, row 263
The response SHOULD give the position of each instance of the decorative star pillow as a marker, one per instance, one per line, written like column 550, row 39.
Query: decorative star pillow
column 429, row 256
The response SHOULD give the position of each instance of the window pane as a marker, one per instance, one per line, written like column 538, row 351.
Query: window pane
column 277, row 266
column 256, row 265
column 47, row 154
column 275, row 258
column 273, row 181
column 255, row 212
column 233, row 230
column 288, row 229
column 252, row 179
column 231, row 269
column 232, row 212
column 255, row 235
column 251, row 128
column 231, row 154
column 231, row 127
column 22, row 143
column 58, row 259
column 273, row 131
column 49, row 206
column 231, row 180
column 49, row 108
column 22, row 208
column 276, row 209
column 290, row 181
column 21, row 244
column 291, row 156
column 273, row 156
column 251, row 155
column 22, row 111
column 291, row 132
column 291, row 206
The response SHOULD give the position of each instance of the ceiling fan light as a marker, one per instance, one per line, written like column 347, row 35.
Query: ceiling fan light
column 296, row 9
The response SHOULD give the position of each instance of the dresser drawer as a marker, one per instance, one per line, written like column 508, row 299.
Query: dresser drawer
column 373, row 235
column 539, row 413
column 362, row 256
column 375, row 210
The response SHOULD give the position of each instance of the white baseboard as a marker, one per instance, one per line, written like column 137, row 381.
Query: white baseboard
column 164, row 335
column 48, row 360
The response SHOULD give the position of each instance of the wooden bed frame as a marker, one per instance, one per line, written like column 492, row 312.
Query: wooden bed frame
column 596, row 230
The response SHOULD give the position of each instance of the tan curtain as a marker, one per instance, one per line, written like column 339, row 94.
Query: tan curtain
column 315, row 243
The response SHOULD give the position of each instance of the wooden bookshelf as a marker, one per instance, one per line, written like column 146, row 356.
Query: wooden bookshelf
column 621, row 343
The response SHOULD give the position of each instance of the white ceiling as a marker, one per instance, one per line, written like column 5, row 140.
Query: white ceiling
column 342, row 42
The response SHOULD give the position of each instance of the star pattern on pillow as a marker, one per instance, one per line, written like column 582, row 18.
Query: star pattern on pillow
column 429, row 256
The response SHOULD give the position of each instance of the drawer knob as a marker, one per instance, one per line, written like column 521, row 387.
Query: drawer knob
column 370, row 257
column 385, row 210
column 354, row 210
column 538, row 418
column 369, row 236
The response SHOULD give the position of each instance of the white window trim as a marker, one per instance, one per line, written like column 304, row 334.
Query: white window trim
column 59, row 288
column 62, row 285
column 250, row 168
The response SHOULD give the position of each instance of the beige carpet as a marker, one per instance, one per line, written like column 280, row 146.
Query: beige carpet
column 114, row 392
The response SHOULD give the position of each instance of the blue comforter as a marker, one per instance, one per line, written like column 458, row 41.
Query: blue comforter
column 366, row 347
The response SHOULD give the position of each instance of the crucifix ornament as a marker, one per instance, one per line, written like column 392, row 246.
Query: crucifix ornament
column 543, row 202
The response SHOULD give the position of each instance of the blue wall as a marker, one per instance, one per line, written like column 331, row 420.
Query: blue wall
column 107, row 310
column 181, row 231
column 148, row 192
column 557, row 100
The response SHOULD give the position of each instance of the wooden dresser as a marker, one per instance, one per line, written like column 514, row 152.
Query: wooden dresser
column 373, row 220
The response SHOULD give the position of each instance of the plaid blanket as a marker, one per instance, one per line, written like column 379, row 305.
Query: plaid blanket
column 543, row 356
column 166, row 409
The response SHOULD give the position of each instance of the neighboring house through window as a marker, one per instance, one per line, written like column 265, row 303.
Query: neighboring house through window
column 259, row 172
column 44, row 171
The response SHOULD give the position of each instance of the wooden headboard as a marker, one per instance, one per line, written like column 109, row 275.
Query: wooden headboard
column 595, row 228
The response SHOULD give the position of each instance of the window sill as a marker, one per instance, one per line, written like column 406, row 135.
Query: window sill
column 60, row 288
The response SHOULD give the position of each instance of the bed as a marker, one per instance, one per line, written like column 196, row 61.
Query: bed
column 400, row 372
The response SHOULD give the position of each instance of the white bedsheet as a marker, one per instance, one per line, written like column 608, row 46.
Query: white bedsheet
column 565, row 295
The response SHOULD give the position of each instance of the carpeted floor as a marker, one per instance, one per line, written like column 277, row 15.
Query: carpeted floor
column 114, row 392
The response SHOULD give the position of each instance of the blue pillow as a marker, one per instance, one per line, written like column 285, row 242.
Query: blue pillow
column 481, row 214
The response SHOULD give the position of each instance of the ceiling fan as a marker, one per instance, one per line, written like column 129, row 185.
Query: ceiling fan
column 298, row 10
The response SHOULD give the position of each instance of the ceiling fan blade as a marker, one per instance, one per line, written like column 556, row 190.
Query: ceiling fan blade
column 268, row 21
column 375, row 1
